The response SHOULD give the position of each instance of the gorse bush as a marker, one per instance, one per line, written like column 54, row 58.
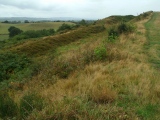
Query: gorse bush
column 8, row 108
column 30, row 102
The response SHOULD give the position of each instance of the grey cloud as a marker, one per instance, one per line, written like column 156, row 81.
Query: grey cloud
column 75, row 8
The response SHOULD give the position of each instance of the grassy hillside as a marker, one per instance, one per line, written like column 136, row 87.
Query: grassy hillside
column 91, row 73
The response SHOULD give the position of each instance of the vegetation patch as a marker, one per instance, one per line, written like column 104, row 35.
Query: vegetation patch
column 8, row 108
column 11, row 63
column 149, row 111
column 30, row 102
column 33, row 34
column 100, row 53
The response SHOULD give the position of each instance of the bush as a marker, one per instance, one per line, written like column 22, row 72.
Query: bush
column 100, row 53
column 30, row 102
column 125, row 28
column 8, row 108
column 112, row 34
column 64, row 27
column 11, row 63
column 13, row 31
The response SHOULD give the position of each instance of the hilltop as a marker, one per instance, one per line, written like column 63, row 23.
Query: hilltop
column 106, row 70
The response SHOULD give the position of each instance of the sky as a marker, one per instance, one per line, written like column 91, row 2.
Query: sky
column 86, row 9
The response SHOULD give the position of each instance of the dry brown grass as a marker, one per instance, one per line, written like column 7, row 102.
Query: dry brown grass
column 129, row 68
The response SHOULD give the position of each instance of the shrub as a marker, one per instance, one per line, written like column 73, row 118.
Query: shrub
column 64, row 27
column 112, row 34
column 29, row 102
column 13, row 31
column 8, row 108
column 125, row 28
column 11, row 63
column 100, row 53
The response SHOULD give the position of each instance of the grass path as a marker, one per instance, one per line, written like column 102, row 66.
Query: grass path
column 153, row 36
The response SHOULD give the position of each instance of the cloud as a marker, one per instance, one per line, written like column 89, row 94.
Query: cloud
column 75, row 8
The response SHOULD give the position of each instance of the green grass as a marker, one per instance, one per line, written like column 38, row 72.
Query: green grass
column 148, row 111
column 3, row 37
column 153, row 36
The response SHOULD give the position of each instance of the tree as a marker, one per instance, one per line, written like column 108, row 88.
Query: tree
column 13, row 31
column 6, row 21
column 64, row 27
column 26, row 21
column 82, row 22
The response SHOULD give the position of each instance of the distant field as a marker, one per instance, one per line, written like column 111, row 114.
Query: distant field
column 32, row 26
column 3, row 37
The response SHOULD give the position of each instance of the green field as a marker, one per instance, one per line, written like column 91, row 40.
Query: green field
column 3, row 37
column 29, row 26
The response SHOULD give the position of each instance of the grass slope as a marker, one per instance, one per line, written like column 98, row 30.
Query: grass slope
column 87, row 78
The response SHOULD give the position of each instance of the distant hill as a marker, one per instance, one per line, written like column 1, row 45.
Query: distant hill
column 38, row 19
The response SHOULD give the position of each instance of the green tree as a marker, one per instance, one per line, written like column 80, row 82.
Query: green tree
column 82, row 22
column 6, row 21
column 64, row 27
column 26, row 21
column 13, row 31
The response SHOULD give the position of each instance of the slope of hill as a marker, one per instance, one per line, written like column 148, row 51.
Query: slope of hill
column 92, row 73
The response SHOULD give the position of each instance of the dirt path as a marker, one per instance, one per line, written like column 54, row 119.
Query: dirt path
column 153, row 36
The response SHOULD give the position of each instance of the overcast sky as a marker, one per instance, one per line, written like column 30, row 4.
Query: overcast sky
column 87, row 9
